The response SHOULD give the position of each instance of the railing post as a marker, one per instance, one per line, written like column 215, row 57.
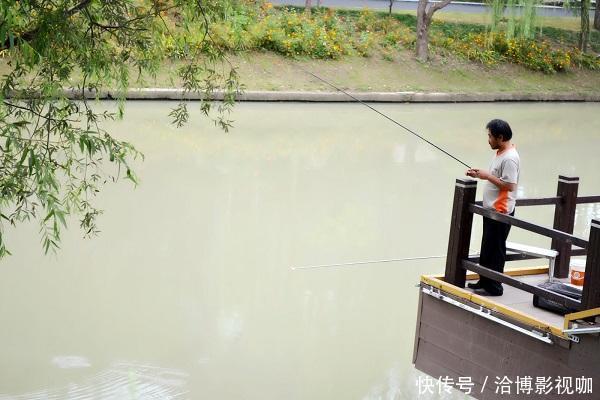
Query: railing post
column 460, row 231
column 591, row 283
column 564, row 220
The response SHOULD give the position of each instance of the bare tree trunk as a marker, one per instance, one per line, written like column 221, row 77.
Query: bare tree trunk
column 584, row 35
column 391, row 5
column 424, row 17
column 307, row 6
column 422, row 45
column 597, row 16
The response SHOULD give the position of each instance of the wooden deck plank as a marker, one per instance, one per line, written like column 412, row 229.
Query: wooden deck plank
column 492, row 303
column 523, row 301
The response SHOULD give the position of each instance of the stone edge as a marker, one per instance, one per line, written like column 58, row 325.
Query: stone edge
column 315, row 96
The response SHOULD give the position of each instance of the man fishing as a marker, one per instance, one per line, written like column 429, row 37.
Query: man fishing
column 499, row 193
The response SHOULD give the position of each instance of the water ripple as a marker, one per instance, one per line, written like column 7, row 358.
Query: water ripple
column 121, row 381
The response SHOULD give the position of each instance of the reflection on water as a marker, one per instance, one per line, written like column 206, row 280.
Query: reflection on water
column 192, row 268
column 71, row 362
column 122, row 381
column 583, row 216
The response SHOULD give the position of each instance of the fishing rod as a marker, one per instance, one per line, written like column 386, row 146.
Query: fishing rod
column 385, row 116
column 348, row 264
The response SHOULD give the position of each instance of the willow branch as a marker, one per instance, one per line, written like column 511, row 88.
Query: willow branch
column 30, row 35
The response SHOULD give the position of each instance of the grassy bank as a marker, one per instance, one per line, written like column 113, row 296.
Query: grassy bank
column 265, row 71
column 367, row 51
column 398, row 71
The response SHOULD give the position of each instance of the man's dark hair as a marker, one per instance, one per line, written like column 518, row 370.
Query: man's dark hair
column 499, row 128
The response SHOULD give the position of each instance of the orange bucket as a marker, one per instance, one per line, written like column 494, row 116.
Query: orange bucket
column 577, row 273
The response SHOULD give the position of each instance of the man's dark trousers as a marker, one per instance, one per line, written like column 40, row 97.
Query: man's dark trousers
column 493, row 252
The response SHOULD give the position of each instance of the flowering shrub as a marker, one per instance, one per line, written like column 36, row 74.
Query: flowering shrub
column 583, row 60
column 398, row 37
column 364, row 43
column 472, row 47
column 366, row 20
column 324, row 34
column 532, row 54
column 288, row 32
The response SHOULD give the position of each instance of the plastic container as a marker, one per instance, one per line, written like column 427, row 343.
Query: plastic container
column 577, row 272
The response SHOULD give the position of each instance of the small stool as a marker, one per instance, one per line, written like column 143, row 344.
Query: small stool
column 537, row 252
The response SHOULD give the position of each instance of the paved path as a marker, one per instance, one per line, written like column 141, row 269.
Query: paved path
column 412, row 5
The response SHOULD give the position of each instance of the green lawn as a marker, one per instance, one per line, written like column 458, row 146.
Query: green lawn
column 267, row 71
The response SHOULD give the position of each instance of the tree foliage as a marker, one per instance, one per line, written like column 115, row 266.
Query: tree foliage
column 520, row 16
column 55, row 153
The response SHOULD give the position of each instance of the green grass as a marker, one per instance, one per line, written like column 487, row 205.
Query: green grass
column 267, row 71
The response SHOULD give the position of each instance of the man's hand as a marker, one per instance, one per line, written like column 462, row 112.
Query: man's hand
column 485, row 175
column 478, row 173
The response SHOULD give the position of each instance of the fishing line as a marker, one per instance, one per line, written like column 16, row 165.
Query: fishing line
column 348, row 264
column 385, row 116
column 364, row 262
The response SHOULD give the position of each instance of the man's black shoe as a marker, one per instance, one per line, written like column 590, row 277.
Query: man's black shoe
column 474, row 285
column 483, row 292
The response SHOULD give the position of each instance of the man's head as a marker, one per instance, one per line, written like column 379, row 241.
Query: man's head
column 499, row 132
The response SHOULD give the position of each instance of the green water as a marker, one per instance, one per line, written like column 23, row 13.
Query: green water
column 188, row 292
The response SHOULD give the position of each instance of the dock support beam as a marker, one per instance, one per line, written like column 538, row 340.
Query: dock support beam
column 591, row 282
column 460, row 231
column 564, row 220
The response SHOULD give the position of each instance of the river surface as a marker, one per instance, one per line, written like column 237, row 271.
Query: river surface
column 189, row 291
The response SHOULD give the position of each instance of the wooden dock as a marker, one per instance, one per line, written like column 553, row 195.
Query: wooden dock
column 504, row 347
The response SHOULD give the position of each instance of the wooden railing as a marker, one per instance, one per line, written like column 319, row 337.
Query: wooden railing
column 563, row 241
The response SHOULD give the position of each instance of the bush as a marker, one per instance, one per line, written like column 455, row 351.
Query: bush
column 400, row 36
column 287, row 32
column 532, row 54
column 472, row 47
column 541, row 56
column 364, row 43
